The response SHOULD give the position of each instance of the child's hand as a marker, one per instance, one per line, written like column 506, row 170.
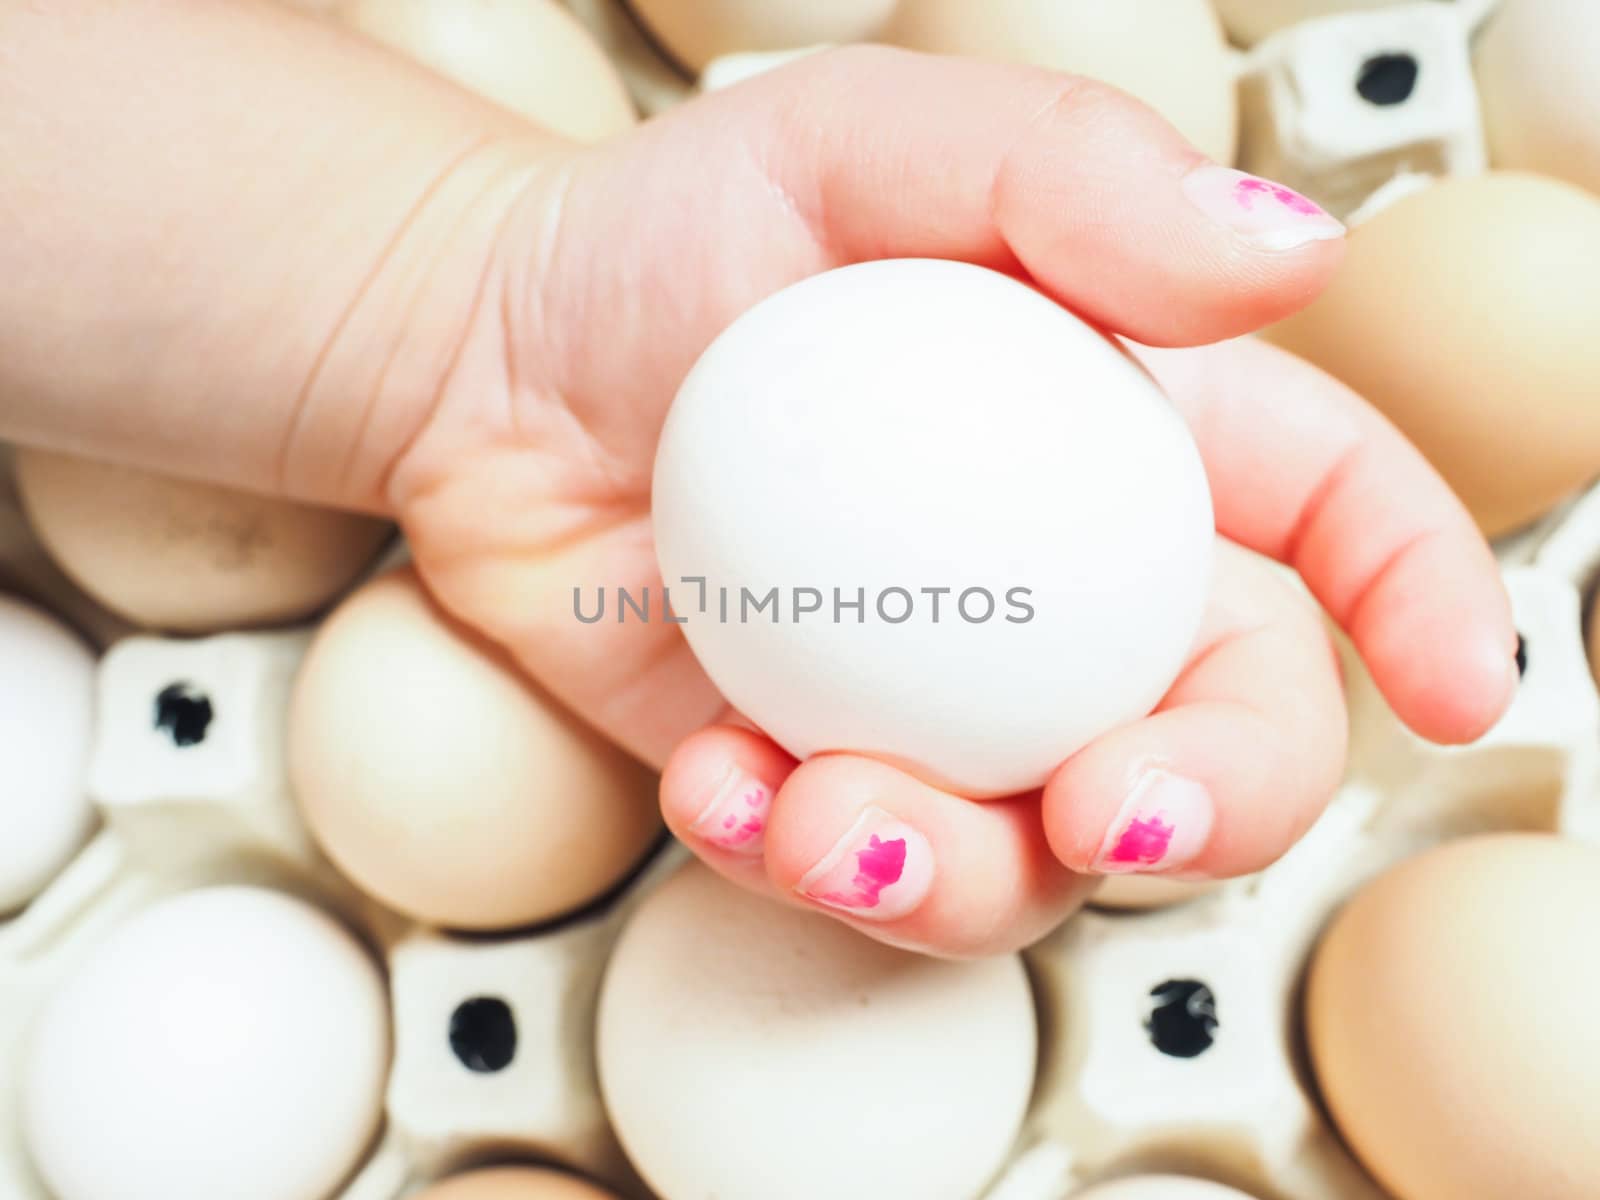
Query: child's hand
column 479, row 330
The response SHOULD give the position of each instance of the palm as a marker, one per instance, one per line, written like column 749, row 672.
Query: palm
column 554, row 429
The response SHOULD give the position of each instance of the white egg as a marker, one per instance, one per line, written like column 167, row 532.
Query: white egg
column 229, row 1042
column 46, row 718
column 938, row 520
column 749, row 1049
column 1537, row 77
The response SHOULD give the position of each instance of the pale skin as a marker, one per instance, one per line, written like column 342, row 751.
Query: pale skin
column 239, row 245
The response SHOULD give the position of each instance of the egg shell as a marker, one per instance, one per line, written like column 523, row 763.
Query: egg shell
column 46, row 723
column 912, row 425
column 1540, row 89
column 1450, row 1017
column 1169, row 53
column 1161, row 1187
column 1248, row 21
column 1142, row 893
column 748, row 1048
column 229, row 1042
column 438, row 777
column 1594, row 641
column 1465, row 313
column 512, row 1183
column 190, row 557
column 530, row 56
column 694, row 32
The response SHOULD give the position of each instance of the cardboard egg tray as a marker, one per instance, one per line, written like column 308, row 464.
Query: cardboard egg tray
column 1170, row 1034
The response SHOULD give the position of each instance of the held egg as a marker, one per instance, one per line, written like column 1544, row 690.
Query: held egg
column 512, row 1183
column 694, row 32
column 46, row 720
column 190, row 557
column 748, row 1048
column 1169, row 53
column 1466, row 314
column 530, row 56
column 439, row 778
column 1541, row 93
column 1450, row 1016
column 230, row 1042
column 916, row 510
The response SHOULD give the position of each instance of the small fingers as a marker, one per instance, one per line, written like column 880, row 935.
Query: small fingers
column 866, row 843
column 1302, row 469
column 1236, row 763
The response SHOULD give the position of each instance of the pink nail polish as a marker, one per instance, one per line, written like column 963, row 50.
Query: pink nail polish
column 1164, row 823
column 880, row 870
column 1264, row 214
column 735, row 818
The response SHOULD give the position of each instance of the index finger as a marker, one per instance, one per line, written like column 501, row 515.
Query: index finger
column 1305, row 471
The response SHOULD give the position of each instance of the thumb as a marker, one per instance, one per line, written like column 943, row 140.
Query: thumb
column 868, row 152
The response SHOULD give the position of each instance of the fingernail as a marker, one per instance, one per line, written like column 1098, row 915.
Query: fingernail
column 1164, row 823
column 880, row 870
column 735, row 818
column 1264, row 214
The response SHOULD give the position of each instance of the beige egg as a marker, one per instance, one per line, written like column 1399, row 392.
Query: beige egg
column 190, row 557
column 1169, row 53
column 513, row 1183
column 1248, row 21
column 1141, row 893
column 1467, row 314
column 751, row 1049
column 1536, row 65
column 1451, row 1021
column 1161, row 1187
column 443, row 782
column 694, row 32
column 531, row 56
column 1594, row 640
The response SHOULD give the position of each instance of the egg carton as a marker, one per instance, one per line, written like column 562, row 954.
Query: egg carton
column 1170, row 1037
column 187, row 774
column 1173, row 1036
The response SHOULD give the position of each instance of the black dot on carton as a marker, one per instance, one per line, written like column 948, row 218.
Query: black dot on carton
column 1522, row 656
column 483, row 1034
column 1387, row 79
column 1183, row 1018
column 184, row 712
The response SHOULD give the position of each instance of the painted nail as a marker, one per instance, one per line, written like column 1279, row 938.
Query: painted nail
column 1164, row 823
column 735, row 818
column 1264, row 214
column 880, row 870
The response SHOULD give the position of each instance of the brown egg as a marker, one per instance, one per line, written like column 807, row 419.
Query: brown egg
column 512, row 1183
column 443, row 782
column 1467, row 313
column 190, row 557
column 1169, row 53
column 1535, row 65
column 1249, row 21
column 1594, row 639
column 531, row 56
column 1451, row 1021
column 1142, row 893
column 696, row 31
